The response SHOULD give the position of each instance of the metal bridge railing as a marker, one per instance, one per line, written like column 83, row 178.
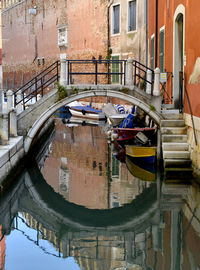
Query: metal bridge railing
column 143, row 76
column 109, row 70
column 37, row 85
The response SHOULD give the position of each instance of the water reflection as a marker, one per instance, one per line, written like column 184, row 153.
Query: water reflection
column 82, row 167
column 48, row 221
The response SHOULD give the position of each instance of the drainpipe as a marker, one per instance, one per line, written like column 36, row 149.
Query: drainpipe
column 156, row 34
column 108, row 32
column 146, row 10
column 108, row 25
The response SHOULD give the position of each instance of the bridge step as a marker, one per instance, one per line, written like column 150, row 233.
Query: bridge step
column 171, row 162
column 178, row 173
column 176, row 154
column 174, row 138
column 174, row 130
column 173, row 123
column 171, row 114
column 175, row 146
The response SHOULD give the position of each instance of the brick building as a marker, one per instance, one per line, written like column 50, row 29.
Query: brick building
column 44, row 30
column 174, row 47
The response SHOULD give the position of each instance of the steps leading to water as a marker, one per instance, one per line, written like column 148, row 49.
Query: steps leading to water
column 175, row 149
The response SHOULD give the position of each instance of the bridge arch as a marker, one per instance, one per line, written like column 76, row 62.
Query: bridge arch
column 86, row 94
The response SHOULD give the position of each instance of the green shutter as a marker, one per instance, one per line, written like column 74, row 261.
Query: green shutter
column 152, row 53
column 162, row 48
column 115, row 167
column 115, row 69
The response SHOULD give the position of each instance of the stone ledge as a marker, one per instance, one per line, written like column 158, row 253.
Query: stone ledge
column 10, row 155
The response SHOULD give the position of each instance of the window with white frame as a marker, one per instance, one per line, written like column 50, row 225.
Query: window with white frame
column 116, row 19
column 132, row 15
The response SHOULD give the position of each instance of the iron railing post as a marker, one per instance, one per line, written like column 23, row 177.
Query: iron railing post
column 124, row 72
column 96, row 71
column 135, row 72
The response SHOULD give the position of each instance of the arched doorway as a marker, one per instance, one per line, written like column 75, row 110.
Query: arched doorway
column 178, row 55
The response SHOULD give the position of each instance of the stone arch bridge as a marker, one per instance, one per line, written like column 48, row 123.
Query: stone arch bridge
column 31, row 120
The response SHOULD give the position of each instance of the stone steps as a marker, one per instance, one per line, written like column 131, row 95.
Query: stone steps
column 175, row 146
column 176, row 154
column 172, row 162
column 175, row 149
column 174, row 130
column 174, row 138
column 173, row 123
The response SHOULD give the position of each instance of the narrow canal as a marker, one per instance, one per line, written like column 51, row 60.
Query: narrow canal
column 76, row 206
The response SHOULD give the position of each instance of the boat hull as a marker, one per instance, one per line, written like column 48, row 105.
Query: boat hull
column 125, row 134
column 141, row 153
column 141, row 171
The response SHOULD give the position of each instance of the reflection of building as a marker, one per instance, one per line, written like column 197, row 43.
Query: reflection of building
column 79, row 161
column 124, row 187
column 2, row 250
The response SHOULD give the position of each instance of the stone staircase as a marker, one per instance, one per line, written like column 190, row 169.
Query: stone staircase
column 175, row 149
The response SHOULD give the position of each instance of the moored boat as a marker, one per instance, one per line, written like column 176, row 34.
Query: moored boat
column 86, row 111
column 124, row 134
column 142, row 153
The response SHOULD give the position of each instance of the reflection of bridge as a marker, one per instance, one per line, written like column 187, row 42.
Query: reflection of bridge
column 128, row 227
column 36, row 199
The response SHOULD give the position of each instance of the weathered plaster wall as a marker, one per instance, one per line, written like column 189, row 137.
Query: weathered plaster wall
column 129, row 44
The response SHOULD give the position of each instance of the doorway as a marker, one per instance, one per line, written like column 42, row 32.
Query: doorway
column 178, row 61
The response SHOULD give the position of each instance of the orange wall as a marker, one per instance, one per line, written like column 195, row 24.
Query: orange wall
column 192, row 40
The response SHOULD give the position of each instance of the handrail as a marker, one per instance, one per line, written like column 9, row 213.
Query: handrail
column 138, row 68
column 39, row 82
column 182, row 82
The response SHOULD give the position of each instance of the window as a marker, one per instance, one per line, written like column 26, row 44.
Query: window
column 115, row 69
column 116, row 19
column 162, row 48
column 132, row 15
column 152, row 48
column 115, row 167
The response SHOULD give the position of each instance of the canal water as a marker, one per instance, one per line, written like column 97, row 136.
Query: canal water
column 81, row 205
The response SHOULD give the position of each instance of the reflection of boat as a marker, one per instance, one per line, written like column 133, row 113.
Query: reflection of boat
column 141, row 170
column 76, row 121
column 85, row 111
column 130, row 133
column 142, row 153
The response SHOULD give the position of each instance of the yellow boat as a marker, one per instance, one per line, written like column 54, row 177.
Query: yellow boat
column 145, row 173
column 143, row 153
